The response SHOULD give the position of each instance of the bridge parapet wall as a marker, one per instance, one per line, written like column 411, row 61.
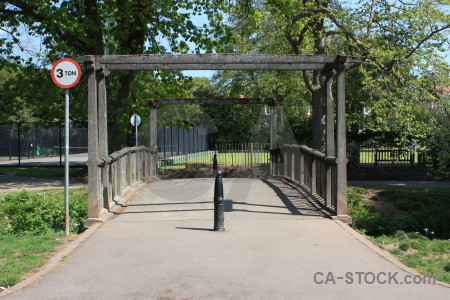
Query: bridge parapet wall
column 119, row 173
column 312, row 171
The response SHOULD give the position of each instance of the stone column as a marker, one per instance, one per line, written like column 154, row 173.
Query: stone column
column 330, row 139
column 273, row 136
column 94, row 187
column 153, row 136
column 341, row 157
column 106, row 194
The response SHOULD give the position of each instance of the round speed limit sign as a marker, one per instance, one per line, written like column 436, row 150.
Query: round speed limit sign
column 66, row 73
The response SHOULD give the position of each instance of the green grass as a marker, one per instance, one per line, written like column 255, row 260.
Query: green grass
column 32, row 227
column 410, row 223
column 40, row 172
column 233, row 158
column 428, row 256
column 20, row 255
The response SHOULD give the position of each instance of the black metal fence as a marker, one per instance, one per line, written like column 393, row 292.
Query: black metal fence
column 228, row 154
column 25, row 141
column 175, row 140
column 384, row 156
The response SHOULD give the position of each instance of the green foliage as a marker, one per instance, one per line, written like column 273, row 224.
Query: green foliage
column 419, row 252
column 438, row 144
column 417, row 246
column 401, row 45
column 75, row 28
column 365, row 218
column 41, row 212
column 426, row 211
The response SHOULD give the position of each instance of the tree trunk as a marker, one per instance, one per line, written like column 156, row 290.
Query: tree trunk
column 117, row 136
column 319, row 118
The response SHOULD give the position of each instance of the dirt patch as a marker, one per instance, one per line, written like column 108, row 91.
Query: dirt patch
column 65, row 241
column 382, row 205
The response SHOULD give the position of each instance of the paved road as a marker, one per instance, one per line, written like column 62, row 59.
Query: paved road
column 76, row 160
column 397, row 183
column 274, row 246
column 16, row 183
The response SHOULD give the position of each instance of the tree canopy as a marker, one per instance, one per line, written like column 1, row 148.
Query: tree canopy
column 91, row 27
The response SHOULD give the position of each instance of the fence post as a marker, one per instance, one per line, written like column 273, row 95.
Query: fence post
column 119, row 175
column 18, row 142
column 301, row 179
column 128, row 169
column 113, row 182
column 313, row 175
column 292, row 162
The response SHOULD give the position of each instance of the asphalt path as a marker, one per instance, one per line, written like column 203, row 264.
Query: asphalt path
column 275, row 247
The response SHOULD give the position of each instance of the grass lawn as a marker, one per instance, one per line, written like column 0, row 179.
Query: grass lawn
column 21, row 255
column 32, row 228
column 41, row 172
column 227, row 158
column 428, row 256
column 411, row 223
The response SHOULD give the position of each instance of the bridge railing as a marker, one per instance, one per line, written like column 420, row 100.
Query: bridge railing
column 310, row 169
column 122, row 170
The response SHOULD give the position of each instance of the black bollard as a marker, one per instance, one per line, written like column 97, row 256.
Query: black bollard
column 218, row 203
column 215, row 164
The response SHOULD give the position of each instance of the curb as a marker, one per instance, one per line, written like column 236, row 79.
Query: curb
column 384, row 254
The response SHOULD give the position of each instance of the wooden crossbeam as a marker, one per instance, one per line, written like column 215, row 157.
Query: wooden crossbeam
column 209, row 101
column 220, row 61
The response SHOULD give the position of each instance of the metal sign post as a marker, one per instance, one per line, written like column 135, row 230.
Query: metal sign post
column 66, row 73
column 66, row 167
column 136, row 121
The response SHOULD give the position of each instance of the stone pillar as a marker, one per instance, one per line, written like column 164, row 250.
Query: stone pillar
column 103, row 138
column 341, row 157
column 273, row 136
column 273, row 126
column 153, row 136
column 330, row 139
column 94, row 204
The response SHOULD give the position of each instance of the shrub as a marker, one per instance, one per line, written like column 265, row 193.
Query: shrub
column 41, row 212
column 427, row 212
column 365, row 218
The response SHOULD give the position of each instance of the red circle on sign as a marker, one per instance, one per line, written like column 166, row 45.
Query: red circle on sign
column 74, row 79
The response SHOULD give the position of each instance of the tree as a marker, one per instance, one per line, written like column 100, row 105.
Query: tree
column 92, row 27
column 398, row 41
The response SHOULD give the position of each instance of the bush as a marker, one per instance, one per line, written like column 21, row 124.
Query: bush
column 41, row 212
column 365, row 218
column 427, row 212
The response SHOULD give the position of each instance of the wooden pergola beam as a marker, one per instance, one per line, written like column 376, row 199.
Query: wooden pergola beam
column 212, row 101
column 220, row 61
